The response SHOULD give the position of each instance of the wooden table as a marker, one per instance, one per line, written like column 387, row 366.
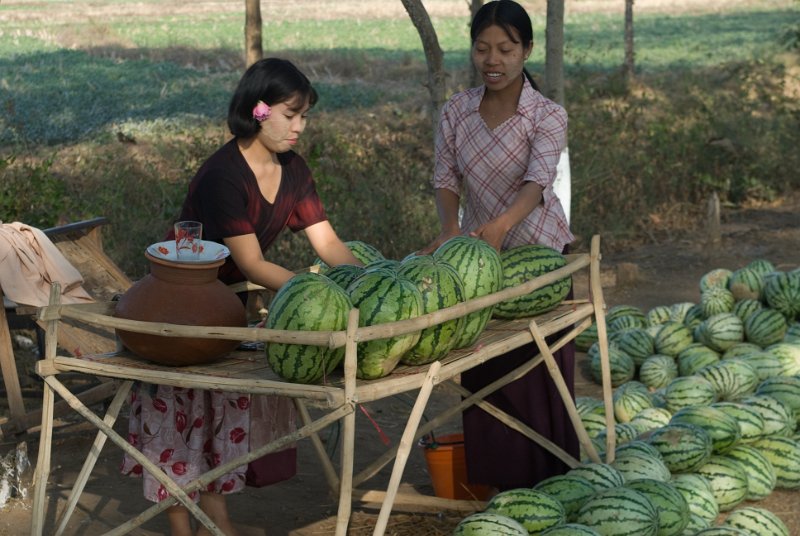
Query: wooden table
column 248, row 372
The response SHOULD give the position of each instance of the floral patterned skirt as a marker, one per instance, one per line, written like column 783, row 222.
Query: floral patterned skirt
column 187, row 432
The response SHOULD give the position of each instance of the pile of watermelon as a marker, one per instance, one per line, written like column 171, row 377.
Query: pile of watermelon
column 706, row 403
column 387, row 290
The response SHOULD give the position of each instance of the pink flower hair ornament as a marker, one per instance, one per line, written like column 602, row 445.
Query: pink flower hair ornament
column 261, row 111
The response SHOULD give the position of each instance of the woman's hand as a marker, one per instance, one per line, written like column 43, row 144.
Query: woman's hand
column 492, row 232
column 438, row 241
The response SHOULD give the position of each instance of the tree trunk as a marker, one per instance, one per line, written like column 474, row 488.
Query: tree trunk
column 433, row 55
column 475, row 77
column 554, row 52
column 628, row 66
column 252, row 32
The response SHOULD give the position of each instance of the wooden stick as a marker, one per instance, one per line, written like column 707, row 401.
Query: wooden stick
column 406, row 441
column 8, row 365
column 563, row 390
column 94, row 453
column 42, row 471
column 327, row 467
column 349, row 426
column 596, row 295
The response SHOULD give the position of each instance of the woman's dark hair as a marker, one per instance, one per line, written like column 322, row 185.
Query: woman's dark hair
column 506, row 14
column 271, row 80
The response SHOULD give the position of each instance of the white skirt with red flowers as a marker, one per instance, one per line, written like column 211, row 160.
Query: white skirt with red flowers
column 187, row 432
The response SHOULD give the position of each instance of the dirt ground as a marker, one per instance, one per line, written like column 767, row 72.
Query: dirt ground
column 657, row 273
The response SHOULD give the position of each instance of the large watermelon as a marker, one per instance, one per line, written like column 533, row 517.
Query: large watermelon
column 620, row 511
column 520, row 265
column 478, row 265
column 440, row 287
column 782, row 292
column 362, row 251
column 489, row 524
column 534, row 510
column 671, row 505
column 311, row 302
column 382, row 296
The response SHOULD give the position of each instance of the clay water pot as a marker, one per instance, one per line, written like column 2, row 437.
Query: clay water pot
column 185, row 294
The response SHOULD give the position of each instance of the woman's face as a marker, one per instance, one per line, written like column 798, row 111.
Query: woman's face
column 498, row 58
column 287, row 120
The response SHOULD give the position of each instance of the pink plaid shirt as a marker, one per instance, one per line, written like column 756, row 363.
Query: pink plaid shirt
column 490, row 166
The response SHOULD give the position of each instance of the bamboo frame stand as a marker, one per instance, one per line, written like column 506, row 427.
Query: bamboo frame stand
column 249, row 373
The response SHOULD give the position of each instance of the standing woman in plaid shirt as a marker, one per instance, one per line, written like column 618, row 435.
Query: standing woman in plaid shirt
column 498, row 145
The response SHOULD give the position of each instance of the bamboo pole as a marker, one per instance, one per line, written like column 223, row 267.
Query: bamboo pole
column 349, row 426
column 327, row 467
column 94, row 453
column 596, row 295
column 563, row 390
column 42, row 471
column 406, row 441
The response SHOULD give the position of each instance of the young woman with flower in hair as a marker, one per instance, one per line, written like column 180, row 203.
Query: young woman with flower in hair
column 245, row 194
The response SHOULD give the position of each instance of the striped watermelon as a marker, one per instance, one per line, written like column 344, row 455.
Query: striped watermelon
column 699, row 495
column 344, row 274
column 720, row 331
column 784, row 455
column 761, row 478
column 639, row 446
column 716, row 300
column 694, row 524
column 307, row 302
column 635, row 465
column 761, row 266
column 779, row 419
column 788, row 353
column 520, row 265
column 571, row 529
column 571, row 491
column 686, row 391
column 782, row 292
column 744, row 308
column 659, row 314
column 718, row 277
column 741, row 348
column 694, row 316
column 658, row 370
column 731, row 378
column 621, row 365
column 586, row 338
column 694, row 357
column 728, row 481
column 792, row 333
column 785, row 389
column 382, row 296
column 440, row 287
column 489, row 524
column 683, row 446
column 722, row 531
column 601, row 475
column 636, row 342
column 672, row 338
column 589, row 404
column 765, row 327
column 745, row 283
column 650, row 419
column 387, row 264
column 534, row 510
column 594, row 423
column 759, row 521
column 637, row 317
column 362, row 251
column 478, row 265
column 764, row 363
column 620, row 511
column 672, row 508
column 751, row 424
column 624, row 432
column 678, row 311
column 723, row 429
column 628, row 401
